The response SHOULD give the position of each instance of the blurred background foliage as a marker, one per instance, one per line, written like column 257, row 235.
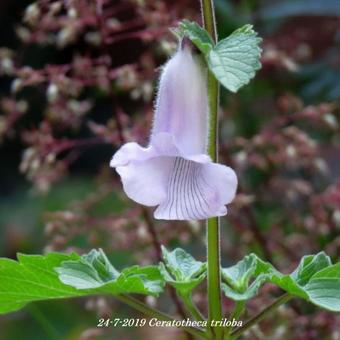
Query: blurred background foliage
column 77, row 79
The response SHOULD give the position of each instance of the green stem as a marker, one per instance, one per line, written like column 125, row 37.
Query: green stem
column 236, row 313
column 259, row 317
column 214, row 277
column 191, row 307
column 213, row 227
column 238, row 310
column 208, row 17
column 145, row 309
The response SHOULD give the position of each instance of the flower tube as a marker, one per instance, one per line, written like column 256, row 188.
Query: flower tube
column 174, row 172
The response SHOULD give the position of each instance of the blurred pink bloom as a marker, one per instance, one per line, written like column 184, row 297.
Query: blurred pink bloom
column 174, row 172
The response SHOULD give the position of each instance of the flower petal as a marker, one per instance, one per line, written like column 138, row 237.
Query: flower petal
column 164, row 143
column 194, row 194
column 131, row 152
column 174, row 172
column 182, row 103
column 146, row 181
column 223, row 179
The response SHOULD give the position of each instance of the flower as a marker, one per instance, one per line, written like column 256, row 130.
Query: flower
column 174, row 172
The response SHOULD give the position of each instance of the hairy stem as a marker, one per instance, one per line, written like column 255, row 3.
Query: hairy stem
column 145, row 309
column 213, row 227
column 236, row 313
column 259, row 317
column 191, row 307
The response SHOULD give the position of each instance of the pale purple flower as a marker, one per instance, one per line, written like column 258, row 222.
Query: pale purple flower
column 174, row 172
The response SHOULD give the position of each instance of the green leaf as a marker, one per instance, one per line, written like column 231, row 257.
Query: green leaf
column 89, row 271
column 323, row 288
column 315, row 280
column 295, row 282
column 309, row 265
column 181, row 270
column 287, row 283
column 238, row 277
column 248, row 293
column 34, row 278
column 235, row 59
column 253, row 269
column 198, row 35
column 94, row 270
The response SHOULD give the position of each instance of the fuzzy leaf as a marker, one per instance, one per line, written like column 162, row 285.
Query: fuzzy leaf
column 296, row 281
column 198, row 35
column 235, row 59
column 94, row 270
column 287, row 283
column 34, row 277
column 237, row 278
column 309, row 265
column 323, row 288
column 248, row 293
column 315, row 280
column 181, row 270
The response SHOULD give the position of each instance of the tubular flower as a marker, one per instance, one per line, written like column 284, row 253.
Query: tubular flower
column 174, row 172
